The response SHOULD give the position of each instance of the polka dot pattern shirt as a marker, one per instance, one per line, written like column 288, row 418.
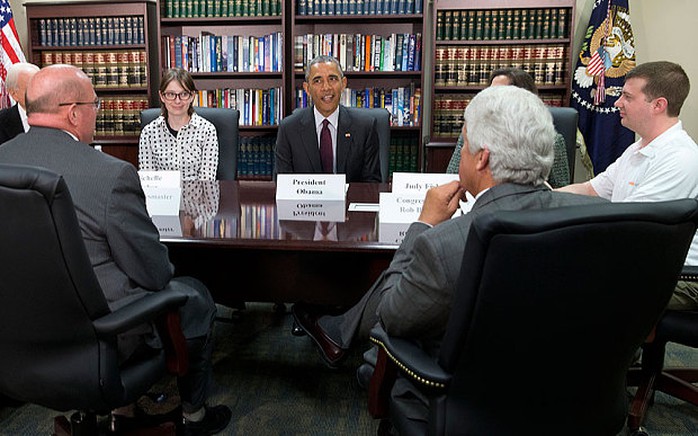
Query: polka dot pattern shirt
column 193, row 152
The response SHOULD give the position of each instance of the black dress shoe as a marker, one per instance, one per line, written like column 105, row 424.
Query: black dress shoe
column 215, row 421
column 330, row 351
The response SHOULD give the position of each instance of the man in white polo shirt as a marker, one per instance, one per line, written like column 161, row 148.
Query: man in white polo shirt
column 663, row 163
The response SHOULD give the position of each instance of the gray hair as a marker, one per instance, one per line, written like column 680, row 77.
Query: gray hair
column 14, row 72
column 323, row 59
column 517, row 129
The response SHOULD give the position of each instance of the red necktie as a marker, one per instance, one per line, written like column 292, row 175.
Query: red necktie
column 326, row 147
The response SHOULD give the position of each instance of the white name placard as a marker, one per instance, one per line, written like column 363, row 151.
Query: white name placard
column 310, row 186
column 397, row 212
column 162, row 192
column 168, row 225
column 420, row 183
column 311, row 210
column 160, row 179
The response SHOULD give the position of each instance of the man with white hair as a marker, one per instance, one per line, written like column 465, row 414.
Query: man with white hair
column 506, row 157
column 13, row 120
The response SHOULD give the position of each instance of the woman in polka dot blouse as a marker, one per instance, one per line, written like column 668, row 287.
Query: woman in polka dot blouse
column 179, row 139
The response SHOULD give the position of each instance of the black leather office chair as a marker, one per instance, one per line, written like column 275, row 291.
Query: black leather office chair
column 538, row 342
column 226, row 122
column 382, row 117
column 58, row 337
column 680, row 327
column 565, row 120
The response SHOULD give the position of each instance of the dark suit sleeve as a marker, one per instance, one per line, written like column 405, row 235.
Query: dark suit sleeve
column 416, row 302
column 371, row 171
column 133, row 239
column 283, row 156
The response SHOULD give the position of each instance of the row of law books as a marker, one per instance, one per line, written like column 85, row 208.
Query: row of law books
column 107, row 69
column 358, row 7
column 258, row 107
column 256, row 157
column 478, row 73
column 471, row 66
column 94, row 31
column 357, row 52
column 404, row 152
column 404, row 104
column 221, row 8
column 208, row 53
column 502, row 24
column 120, row 116
column 448, row 111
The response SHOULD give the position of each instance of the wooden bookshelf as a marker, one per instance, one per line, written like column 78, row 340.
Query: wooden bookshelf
column 112, row 41
column 236, row 79
column 473, row 38
column 382, row 80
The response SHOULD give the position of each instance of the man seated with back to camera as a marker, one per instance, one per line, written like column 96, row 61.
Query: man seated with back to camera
column 352, row 139
column 663, row 163
column 506, row 157
column 122, row 243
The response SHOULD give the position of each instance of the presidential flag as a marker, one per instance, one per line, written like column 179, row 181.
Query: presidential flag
column 607, row 54
column 10, row 50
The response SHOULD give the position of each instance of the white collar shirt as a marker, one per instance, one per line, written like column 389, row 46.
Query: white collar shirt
column 664, row 169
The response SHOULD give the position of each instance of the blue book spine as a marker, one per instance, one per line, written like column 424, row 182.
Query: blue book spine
column 418, row 6
column 418, row 52
column 411, row 53
column 405, row 49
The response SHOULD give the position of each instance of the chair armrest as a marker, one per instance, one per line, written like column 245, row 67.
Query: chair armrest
column 412, row 360
column 140, row 311
column 689, row 273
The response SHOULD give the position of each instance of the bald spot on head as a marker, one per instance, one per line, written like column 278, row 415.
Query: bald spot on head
column 57, row 84
column 51, row 97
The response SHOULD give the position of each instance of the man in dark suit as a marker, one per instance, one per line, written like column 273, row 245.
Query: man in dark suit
column 353, row 138
column 507, row 155
column 13, row 120
column 121, row 240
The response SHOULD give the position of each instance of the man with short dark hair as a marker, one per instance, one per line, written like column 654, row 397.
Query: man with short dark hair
column 123, row 244
column 663, row 163
column 351, row 144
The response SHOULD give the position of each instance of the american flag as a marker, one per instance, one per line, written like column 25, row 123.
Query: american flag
column 10, row 50
column 596, row 63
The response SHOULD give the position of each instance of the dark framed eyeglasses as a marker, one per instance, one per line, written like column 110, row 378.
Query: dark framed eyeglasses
column 170, row 96
column 97, row 103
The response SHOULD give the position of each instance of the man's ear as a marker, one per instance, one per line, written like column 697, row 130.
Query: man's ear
column 660, row 104
column 73, row 115
column 483, row 160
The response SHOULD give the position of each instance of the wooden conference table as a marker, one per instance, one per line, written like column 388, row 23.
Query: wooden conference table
column 233, row 241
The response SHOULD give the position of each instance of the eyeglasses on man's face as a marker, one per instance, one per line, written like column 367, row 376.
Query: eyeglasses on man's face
column 171, row 96
column 97, row 103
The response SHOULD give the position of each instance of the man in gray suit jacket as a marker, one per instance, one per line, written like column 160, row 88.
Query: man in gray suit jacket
column 354, row 138
column 121, row 240
column 506, row 157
